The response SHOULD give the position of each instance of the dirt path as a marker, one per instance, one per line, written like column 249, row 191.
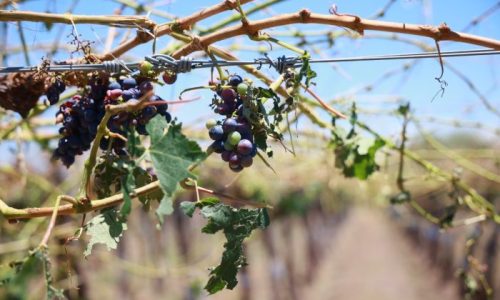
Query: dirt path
column 370, row 260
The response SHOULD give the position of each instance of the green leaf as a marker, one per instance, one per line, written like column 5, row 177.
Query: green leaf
column 22, row 272
column 106, row 228
column 172, row 154
column 134, row 145
column 188, row 208
column 166, row 207
column 128, row 186
column 364, row 145
column 356, row 156
column 403, row 109
column 237, row 225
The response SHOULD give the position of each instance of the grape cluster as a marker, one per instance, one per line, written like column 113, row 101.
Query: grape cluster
column 233, row 136
column 81, row 115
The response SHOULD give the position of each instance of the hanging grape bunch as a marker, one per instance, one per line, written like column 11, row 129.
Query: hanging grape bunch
column 235, row 136
column 81, row 115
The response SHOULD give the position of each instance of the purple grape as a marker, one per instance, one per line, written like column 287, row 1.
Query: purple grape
column 229, row 125
column 168, row 117
column 246, row 161
column 217, row 146
column 234, row 80
column 216, row 133
column 228, row 95
column 234, row 159
column 235, row 168
column 226, row 155
column 127, row 95
column 129, row 83
column 90, row 115
column 141, row 129
column 146, row 86
column 114, row 86
column 245, row 147
column 59, row 85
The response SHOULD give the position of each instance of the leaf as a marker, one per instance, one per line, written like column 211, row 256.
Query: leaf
column 403, row 109
column 172, row 154
column 166, row 207
column 128, row 186
column 236, row 224
column 364, row 145
column 188, row 208
column 134, row 145
column 355, row 156
column 306, row 71
column 24, row 271
column 106, row 228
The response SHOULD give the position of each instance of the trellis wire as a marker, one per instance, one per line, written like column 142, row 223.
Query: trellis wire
column 163, row 62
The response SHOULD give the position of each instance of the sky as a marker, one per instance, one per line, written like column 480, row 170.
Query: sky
column 417, row 86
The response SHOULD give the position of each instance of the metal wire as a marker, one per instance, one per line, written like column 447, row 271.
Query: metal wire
column 162, row 62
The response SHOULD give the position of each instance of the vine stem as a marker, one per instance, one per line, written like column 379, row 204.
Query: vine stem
column 168, row 28
column 111, row 20
column 11, row 213
column 439, row 33
column 52, row 222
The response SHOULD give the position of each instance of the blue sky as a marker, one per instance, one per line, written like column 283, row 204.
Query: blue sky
column 419, row 86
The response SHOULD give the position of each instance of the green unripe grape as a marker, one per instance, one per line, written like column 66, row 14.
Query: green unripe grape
column 146, row 67
column 228, row 146
column 242, row 89
column 234, row 138
column 210, row 123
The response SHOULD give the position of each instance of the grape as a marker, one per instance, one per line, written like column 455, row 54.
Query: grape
column 228, row 95
column 90, row 115
column 226, row 155
column 242, row 89
column 228, row 146
column 235, row 168
column 120, row 151
column 168, row 117
column 245, row 147
column 162, row 108
column 210, row 123
column 234, row 159
column 217, row 146
column 68, row 159
column 148, row 112
column 169, row 78
column 235, row 80
column 246, row 161
column 234, row 138
column 129, row 83
column 114, row 86
column 145, row 87
column 145, row 67
column 114, row 94
column 216, row 132
column 52, row 96
column 141, row 129
column 229, row 125
column 60, row 86
column 127, row 95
